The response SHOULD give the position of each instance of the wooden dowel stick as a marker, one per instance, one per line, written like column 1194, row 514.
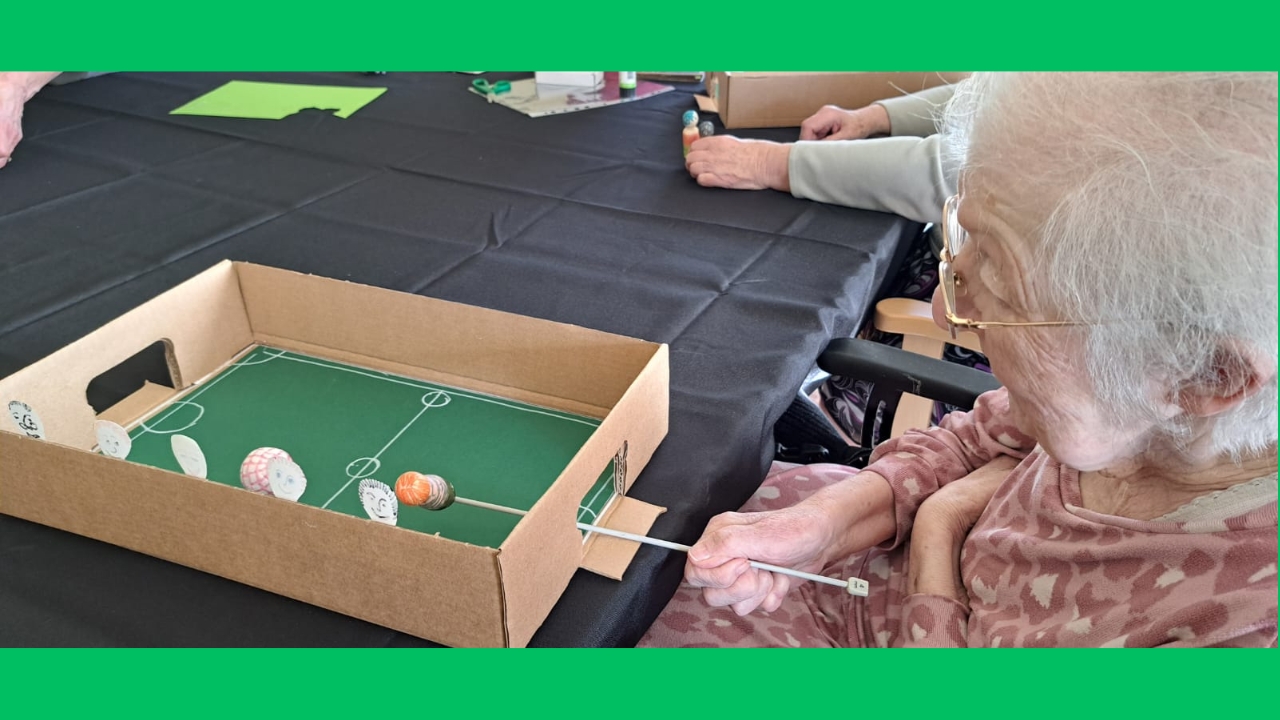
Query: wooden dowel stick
column 853, row 585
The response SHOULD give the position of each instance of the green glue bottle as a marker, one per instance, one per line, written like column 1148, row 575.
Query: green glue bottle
column 626, row 84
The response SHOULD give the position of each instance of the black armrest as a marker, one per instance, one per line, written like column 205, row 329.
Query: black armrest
column 901, row 371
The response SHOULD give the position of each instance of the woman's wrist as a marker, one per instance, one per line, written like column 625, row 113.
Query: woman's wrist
column 777, row 167
column 877, row 120
column 860, row 511
column 933, row 568
column 934, row 555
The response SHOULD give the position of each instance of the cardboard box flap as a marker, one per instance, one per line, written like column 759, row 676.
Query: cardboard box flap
column 533, row 571
column 435, row 376
column 496, row 348
column 202, row 322
column 706, row 104
column 134, row 407
column 610, row 556
column 432, row 587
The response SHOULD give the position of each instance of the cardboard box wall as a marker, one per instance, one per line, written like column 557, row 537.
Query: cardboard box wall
column 431, row 587
column 785, row 99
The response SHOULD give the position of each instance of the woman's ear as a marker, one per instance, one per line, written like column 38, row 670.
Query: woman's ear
column 1237, row 372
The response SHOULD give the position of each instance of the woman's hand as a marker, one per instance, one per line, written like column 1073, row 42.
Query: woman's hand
column 833, row 123
column 728, row 162
column 941, row 525
column 831, row 524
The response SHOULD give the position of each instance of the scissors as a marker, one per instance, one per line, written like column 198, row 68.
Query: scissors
column 490, row 90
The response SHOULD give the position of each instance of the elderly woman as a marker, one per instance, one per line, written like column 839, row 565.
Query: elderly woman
column 1113, row 243
column 834, row 162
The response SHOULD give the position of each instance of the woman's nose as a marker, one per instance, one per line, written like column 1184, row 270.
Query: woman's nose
column 939, row 309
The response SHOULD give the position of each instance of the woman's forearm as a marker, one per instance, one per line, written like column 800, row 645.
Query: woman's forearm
column 861, row 509
column 29, row 83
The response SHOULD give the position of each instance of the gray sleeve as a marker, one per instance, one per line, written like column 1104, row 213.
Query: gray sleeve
column 917, row 114
column 901, row 175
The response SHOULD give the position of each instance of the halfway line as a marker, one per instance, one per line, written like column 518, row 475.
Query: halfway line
column 375, row 457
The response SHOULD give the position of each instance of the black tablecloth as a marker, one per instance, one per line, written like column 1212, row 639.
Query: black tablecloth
column 586, row 218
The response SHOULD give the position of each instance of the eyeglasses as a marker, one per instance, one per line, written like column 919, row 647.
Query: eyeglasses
column 954, row 237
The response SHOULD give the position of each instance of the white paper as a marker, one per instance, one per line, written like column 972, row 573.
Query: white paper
column 113, row 440
column 190, row 456
column 534, row 100
column 286, row 478
column 379, row 501
column 570, row 79
column 27, row 419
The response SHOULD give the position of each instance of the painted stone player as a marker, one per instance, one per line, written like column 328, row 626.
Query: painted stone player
column 27, row 420
column 253, row 471
column 113, row 440
column 379, row 501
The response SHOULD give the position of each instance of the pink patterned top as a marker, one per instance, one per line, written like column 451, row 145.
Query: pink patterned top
column 1040, row 570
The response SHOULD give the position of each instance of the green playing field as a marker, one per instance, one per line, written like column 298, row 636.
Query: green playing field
column 342, row 424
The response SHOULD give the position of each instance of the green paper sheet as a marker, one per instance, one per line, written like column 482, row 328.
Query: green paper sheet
column 276, row 101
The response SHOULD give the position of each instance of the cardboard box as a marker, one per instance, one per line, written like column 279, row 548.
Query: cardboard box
column 431, row 587
column 785, row 99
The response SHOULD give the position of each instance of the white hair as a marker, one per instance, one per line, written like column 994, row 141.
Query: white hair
column 1157, row 193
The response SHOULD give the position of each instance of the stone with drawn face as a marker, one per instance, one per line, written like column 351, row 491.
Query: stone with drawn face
column 27, row 420
column 189, row 456
column 113, row 440
column 379, row 501
column 286, row 479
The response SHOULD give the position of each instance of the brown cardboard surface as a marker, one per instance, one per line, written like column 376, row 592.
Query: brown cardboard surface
column 645, row 410
column 421, row 584
column 202, row 321
column 137, row 405
column 785, row 99
column 502, row 349
column 610, row 556
column 533, row 572
column 428, row 375
column 435, row 588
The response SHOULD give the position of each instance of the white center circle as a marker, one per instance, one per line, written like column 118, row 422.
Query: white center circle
column 361, row 468
column 436, row 398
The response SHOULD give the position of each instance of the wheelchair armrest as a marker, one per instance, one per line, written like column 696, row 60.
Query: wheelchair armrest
column 900, row 371
column 914, row 318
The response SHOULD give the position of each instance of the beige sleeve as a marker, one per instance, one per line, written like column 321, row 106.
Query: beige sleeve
column 902, row 175
column 917, row 114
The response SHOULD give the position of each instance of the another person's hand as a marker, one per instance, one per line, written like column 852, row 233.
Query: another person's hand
column 942, row 524
column 728, row 162
column 15, row 90
column 834, row 123
column 836, row 522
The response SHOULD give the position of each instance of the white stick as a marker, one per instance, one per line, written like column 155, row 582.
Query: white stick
column 855, row 586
